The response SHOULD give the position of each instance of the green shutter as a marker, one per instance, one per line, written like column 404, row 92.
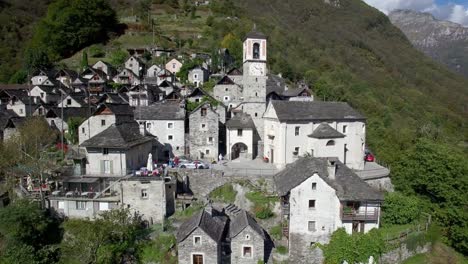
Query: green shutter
column 111, row 164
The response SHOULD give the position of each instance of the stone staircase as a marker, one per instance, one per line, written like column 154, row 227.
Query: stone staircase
column 232, row 210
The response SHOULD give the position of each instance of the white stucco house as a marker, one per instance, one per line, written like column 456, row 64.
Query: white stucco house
column 319, row 129
column 198, row 76
column 320, row 195
column 165, row 121
column 174, row 66
column 239, row 137
column 135, row 65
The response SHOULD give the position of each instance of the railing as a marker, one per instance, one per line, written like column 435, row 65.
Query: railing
column 366, row 215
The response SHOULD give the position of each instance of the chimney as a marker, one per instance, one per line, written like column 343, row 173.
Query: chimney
column 142, row 129
column 331, row 168
column 209, row 208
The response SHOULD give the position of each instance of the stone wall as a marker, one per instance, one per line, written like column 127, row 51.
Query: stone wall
column 208, row 248
column 204, row 134
column 384, row 183
column 248, row 237
column 402, row 253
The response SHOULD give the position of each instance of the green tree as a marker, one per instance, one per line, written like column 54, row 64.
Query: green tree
column 234, row 45
column 118, row 57
column 186, row 67
column 107, row 239
column 73, row 125
column 84, row 61
column 36, row 58
column 28, row 234
column 73, row 24
column 400, row 209
column 19, row 77
column 437, row 173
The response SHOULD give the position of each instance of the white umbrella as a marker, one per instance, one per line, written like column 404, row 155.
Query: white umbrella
column 149, row 165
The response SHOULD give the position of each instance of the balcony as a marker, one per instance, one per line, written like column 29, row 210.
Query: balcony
column 350, row 214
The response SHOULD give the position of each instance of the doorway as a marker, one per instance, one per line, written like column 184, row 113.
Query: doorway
column 197, row 259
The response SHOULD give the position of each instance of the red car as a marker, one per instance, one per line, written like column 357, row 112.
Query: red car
column 369, row 157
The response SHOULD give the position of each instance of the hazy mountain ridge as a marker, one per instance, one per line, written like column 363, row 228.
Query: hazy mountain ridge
column 444, row 41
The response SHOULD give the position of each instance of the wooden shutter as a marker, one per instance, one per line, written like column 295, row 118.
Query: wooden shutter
column 102, row 167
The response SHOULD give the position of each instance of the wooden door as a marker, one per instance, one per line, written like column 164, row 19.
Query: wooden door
column 197, row 259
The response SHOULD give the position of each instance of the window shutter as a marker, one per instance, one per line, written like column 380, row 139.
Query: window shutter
column 111, row 164
column 102, row 167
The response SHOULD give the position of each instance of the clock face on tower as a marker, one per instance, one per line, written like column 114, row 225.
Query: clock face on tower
column 257, row 69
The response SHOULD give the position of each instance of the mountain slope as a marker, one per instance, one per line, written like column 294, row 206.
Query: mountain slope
column 443, row 41
column 352, row 52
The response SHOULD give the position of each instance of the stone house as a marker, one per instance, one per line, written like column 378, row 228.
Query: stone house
column 118, row 150
column 144, row 95
column 320, row 195
column 228, row 92
column 152, row 72
column 113, row 98
column 135, row 64
column 165, row 121
column 66, row 77
column 11, row 126
column 239, row 137
column 173, row 66
column 19, row 101
column 39, row 77
column 54, row 116
column 105, row 67
column 204, row 132
column 227, row 235
column 102, row 118
column 47, row 94
column 249, row 242
column 152, row 197
column 5, row 116
column 127, row 76
column 73, row 100
column 199, row 239
column 198, row 76
column 321, row 129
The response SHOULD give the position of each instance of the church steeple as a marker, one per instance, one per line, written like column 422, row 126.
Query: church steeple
column 255, row 44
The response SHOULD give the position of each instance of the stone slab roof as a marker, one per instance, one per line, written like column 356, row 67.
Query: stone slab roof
column 242, row 220
column 347, row 184
column 123, row 135
column 324, row 130
column 315, row 110
column 161, row 111
column 213, row 226
column 254, row 34
column 240, row 120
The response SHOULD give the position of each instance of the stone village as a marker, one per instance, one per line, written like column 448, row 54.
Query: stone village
column 253, row 126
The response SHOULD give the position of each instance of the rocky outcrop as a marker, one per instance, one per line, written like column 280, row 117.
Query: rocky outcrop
column 444, row 41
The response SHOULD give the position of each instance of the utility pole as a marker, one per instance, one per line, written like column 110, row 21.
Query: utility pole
column 61, row 117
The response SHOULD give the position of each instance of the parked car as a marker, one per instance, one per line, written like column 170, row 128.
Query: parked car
column 196, row 164
column 369, row 157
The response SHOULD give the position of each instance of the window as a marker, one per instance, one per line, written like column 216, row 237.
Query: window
column 42, row 95
column 105, row 151
column 226, row 89
column 170, row 125
column 256, row 51
column 197, row 100
column 239, row 132
column 148, row 125
column 170, row 137
column 40, row 111
column 256, row 94
column 103, row 122
column 256, row 114
column 210, row 140
column 82, row 130
column 80, row 205
column 203, row 111
column 247, row 252
column 173, row 65
column 207, row 152
column 144, row 193
column 203, row 126
column 314, row 186
column 311, row 226
column 195, row 76
column 103, row 206
column 226, row 98
column 21, row 111
column 311, row 204
column 247, row 237
column 345, row 128
column 296, row 131
column 177, row 148
column 331, row 143
column 197, row 240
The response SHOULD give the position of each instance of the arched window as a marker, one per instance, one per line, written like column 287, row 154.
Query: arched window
column 331, row 143
column 256, row 51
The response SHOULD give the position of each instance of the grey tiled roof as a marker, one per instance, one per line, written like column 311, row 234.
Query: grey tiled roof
column 241, row 120
column 6, row 115
column 324, row 130
column 160, row 111
column 314, row 110
column 255, row 35
column 213, row 226
column 347, row 184
column 117, row 109
column 275, row 84
column 240, row 221
column 123, row 135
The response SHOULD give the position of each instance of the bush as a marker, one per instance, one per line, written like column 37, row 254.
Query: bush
column 97, row 51
column 399, row 209
column 282, row 250
column 263, row 212
column 225, row 194
column 276, row 232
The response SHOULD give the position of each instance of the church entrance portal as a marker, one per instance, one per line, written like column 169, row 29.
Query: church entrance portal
column 238, row 150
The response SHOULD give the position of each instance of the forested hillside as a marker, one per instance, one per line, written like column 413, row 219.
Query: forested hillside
column 17, row 20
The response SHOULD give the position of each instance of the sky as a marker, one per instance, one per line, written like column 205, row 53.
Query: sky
column 451, row 10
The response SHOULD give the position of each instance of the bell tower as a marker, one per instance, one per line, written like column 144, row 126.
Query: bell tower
column 255, row 53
